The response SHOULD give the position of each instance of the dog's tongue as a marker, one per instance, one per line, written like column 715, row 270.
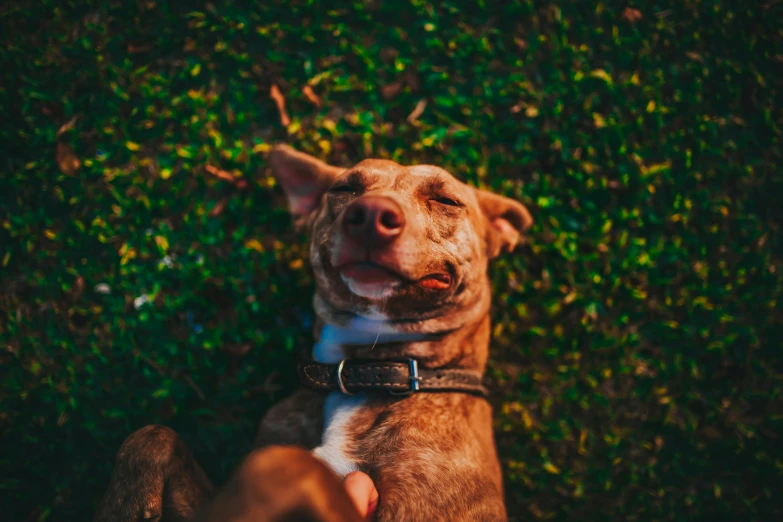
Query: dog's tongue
column 367, row 273
column 435, row 282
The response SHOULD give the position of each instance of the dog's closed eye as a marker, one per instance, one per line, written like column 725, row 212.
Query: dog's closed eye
column 443, row 200
column 344, row 188
column 353, row 184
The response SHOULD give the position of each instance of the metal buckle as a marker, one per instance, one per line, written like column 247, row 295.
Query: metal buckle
column 414, row 379
column 340, row 378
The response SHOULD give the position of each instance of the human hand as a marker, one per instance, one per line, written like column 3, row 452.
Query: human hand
column 361, row 489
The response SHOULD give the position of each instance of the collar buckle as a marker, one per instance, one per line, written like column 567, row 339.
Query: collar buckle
column 413, row 367
column 340, row 378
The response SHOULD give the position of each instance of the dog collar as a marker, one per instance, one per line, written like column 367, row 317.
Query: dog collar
column 395, row 376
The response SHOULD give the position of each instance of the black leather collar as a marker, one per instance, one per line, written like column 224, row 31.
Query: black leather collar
column 396, row 377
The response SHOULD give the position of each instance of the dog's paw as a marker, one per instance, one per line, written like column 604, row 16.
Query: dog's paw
column 132, row 501
column 155, row 477
column 136, row 489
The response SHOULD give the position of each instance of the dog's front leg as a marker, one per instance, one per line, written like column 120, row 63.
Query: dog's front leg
column 155, row 479
column 297, row 420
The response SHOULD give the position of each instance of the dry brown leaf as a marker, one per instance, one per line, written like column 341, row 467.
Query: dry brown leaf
column 67, row 160
column 138, row 48
column 411, row 79
column 220, row 173
column 391, row 90
column 190, row 45
column 67, row 126
column 219, row 208
column 417, row 111
column 78, row 288
column 311, row 96
column 226, row 176
column 279, row 99
column 632, row 15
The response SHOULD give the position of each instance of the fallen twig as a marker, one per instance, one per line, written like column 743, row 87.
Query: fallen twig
column 279, row 99
column 220, row 173
column 417, row 111
column 311, row 96
column 219, row 208
column 67, row 126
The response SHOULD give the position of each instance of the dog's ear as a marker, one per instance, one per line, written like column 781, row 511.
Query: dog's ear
column 304, row 178
column 506, row 220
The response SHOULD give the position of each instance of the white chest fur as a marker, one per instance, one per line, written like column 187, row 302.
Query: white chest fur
column 334, row 449
column 339, row 409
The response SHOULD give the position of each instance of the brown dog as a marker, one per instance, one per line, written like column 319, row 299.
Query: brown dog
column 400, row 259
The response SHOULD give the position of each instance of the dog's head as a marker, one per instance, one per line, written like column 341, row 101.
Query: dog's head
column 409, row 243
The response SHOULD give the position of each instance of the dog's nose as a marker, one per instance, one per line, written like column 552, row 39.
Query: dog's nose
column 374, row 220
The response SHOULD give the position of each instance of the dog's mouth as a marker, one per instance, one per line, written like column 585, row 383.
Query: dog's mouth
column 375, row 281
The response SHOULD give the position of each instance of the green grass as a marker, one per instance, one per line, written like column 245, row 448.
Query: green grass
column 636, row 353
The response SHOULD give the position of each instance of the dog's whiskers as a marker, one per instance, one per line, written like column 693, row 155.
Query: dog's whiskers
column 376, row 338
column 380, row 323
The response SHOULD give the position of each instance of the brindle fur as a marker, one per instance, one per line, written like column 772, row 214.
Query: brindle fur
column 432, row 456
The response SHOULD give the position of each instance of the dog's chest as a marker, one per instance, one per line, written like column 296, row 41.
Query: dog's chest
column 339, row 412
column 336, row 441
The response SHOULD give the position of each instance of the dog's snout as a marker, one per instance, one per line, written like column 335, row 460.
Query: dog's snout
column 373, row 220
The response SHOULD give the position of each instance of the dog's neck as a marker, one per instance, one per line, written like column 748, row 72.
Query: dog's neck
column 456, row 339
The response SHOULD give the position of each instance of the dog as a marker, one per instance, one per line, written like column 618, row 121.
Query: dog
column 393, row 388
